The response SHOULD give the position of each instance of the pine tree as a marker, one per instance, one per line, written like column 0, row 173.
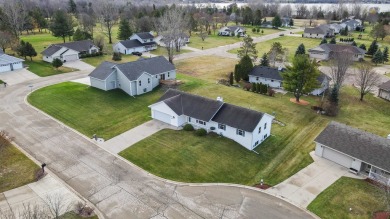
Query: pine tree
column 323, row 41
column 258, row 88
column 21, row 49
column 362, row 46
column 300, row 50
column 291, row 23
column 61, row 25
column 237, row 72
column 264, row 60
column 373, row 48
column 29, row 50
column 116, row 56
column 386, row 54
column 354, row 43
column 57, row 63
column 231, row 78
column 377, row 57
column 72, row 7
column 277, row 22
column 246, row 66
column 334, row 95
column 248, row 47
column 332, row 41
column 124, row 30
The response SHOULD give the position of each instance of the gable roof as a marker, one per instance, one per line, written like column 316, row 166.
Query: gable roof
column 267, row 72
column 385, row 86
column 338, row 48
column 51, row 50
column 7, row 59
column 316, row 30
column 134, row 43
column 103, row 70
column 155, row 65
column 78, row 46
column 365, row 146
column 145, row 35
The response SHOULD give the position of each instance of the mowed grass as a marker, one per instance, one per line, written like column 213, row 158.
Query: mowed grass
column 288, row 42
column 161, row 51
column 335, row 201
column 93, row 111
column 43, row 69
column 15, row 169
column 73, row 215
column 97, row 60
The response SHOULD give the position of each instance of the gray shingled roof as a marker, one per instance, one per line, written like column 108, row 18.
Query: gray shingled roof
column 79, row 46
column 191, row 105
column 365, row 146
column 7, row 59
column 155, row 65
column 338, row 48
column 385, row 86
column 103, row 70
column 315, row 30
column 145, row 35
column 135, row 43
column 267, row 72
column 1, row 51
column 238, row 117
column 234, row 28
column 51, row 50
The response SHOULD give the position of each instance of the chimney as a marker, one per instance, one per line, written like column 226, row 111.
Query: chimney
column 220, row 99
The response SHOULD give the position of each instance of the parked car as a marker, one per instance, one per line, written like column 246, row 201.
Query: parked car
column 282, row 34
column 137, row 53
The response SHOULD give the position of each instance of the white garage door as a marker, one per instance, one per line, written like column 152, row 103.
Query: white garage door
column 337, row 157
column 71, row 57
column 162, row 116
column 5, row 68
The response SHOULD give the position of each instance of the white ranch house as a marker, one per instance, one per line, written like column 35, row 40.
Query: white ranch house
column 273, row 78
column 246, row 127
column 138, row 42
column 134, row 78
column 9, row 63
column 183, row 40
column 320, row 32
column 69, row 51
column 362, row 152
column 232, row 31
column 384, row 90
column 325, row 51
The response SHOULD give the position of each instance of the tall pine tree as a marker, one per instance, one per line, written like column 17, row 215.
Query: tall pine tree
column 246, row 66
column 373, row 48
column 377, row 57
column 29, row 50
column 323, row 41
column 264, row 60
column 332, row 41
column 61, row 25
column 362, row 46
column 386, row 54
column 124, row 29
column 277, row 22
column 300, row 50
column 237, row 72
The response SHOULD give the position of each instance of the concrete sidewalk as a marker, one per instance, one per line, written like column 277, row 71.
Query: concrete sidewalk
column 36, row 194
column 303, row 187
column 127, row 139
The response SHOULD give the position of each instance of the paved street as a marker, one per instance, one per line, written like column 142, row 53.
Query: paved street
column 118, row 188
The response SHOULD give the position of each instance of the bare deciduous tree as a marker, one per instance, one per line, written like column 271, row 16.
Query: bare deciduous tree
column 87, row 23
column 366, row 79
column 57, row 205
column 6, row 40
column 108, row 14
column 30, row 211
column 339, row 64
column 15, row 15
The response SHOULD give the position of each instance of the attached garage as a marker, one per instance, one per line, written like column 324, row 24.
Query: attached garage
column 337, row 157
column 72, row 57
column 162, row 116
column 5, row 67
column 9, row 63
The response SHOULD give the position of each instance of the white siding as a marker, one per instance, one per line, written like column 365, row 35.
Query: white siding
column 17, row 65
column 123, row 82
column 384, row 94
column 162, row 112
column 269, row 82
column 334, row 156
column 101, row 84
column 312, row 35
column 318, row 55
column 112, row 81
column 146, row 84
column 4, row 68
column 265, row 131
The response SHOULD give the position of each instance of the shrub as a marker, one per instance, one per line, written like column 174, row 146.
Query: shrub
column 116, row 56
column 188, row 127
column 201, row 132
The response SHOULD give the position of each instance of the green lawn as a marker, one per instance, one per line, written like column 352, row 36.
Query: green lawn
column 93, row 111
column 1, row 82
column 15, row 169
column 97, row 60
column 43, row 69
column 388, row 74
column 161, row 51
column 345, row 193
column 289, row 42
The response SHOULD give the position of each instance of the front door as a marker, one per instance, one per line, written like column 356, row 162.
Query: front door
column 162, row 76
column 12, row 67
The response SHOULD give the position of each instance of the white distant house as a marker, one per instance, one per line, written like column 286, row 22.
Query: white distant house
column 325, row 51
column 9, row 63
column 336, row 28
column 69, row 51
column 183, row 40
column 134, row 78
column 352, row 24
column 246, row 127
column 360, row 151
column 138, row 42
column 384, row 90
column 273, row 78
column 232, row 31
column 320, row 32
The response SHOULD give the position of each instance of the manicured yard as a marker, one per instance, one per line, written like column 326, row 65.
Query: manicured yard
column 15, row 169
column 97, row 60
column 1, row 82
column 93, row 111
column 289, row 42
column 43, row 69
column 345, row 193
column 161, row 51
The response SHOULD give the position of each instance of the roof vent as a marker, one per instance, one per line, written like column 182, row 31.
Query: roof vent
column 220, row 99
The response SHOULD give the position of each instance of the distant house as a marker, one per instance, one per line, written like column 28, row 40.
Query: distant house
column 325, row 51
column 285, row 21
column 69, row 51
column 244, row 126
column 360, row 151
column 134, row 78
column 336, row 28
column 273, row 78
column 322, row 31
column 384, row 90
column 138, row 42
column 352, row 24
column 183, row 40
column 267, row 24
column 232, row 31
column 9, row 63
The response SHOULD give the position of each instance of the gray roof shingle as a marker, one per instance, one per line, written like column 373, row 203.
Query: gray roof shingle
column 153, row 66
column 103, row 70
column 267, row 72
column 338, row 48
column 365, row 146
column 51, row 50
column 79, row 46
column 135, row 43
column 385, row 86
column 7, row 59
column 145, row 35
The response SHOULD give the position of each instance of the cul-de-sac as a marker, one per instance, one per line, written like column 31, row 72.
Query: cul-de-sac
column 217, row 109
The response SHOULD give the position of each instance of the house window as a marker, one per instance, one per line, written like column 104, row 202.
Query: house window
column 265, row 126
column 256, row 143
column 222, row 126
column 189, row 119
column 139, row 83
column 259, row 129
column 168, row 74
column 257, row 78
column 145, row 41
column 272, row 80
column 240, row 132
column 200, row 122
column 265, row 136
column 148, row 80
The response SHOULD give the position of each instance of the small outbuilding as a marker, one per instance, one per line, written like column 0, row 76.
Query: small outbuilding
column 384, row 90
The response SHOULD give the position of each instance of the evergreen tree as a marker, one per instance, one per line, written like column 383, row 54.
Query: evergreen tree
column 386, row 54
column 248, row 48
column 344, row 32
column 61, row 25
column 257, row 18
column 373, row 48
column 323, row 41
column 237, row 72
column 377, row 57
column 258, row 88
column 332, row 41
column 116, row 56
column 264, row 60
column 124, row 31
column 334, row 95
column 354, row 43
column 21, row 49
column 362, row 46
column 231, row 78
column 253, row 87
column 81, row 35
column 57, row 63
column 291, row 23
column 300, row 50
column 29, row 50
column 246, row 66
column 277, row 22
column 72, row 7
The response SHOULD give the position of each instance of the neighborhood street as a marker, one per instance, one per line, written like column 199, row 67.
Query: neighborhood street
column 116, row 187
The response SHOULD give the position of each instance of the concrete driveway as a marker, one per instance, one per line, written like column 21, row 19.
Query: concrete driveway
column 78, row 64
column 303, row 187
column 17, row 76
column 127, row 139
column 85, row 80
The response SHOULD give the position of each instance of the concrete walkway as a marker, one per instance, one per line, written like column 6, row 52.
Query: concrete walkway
column 17, row 76
column 303, row 187
column 84, row 80
column 127, row 139
column 36, row 194
column 78, row 64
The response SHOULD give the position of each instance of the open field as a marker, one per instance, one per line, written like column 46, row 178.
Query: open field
column 16, row 169
column 97, row 60
column 105, row 113
column 161, row 51
column 335, row 201
column 43, row 69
